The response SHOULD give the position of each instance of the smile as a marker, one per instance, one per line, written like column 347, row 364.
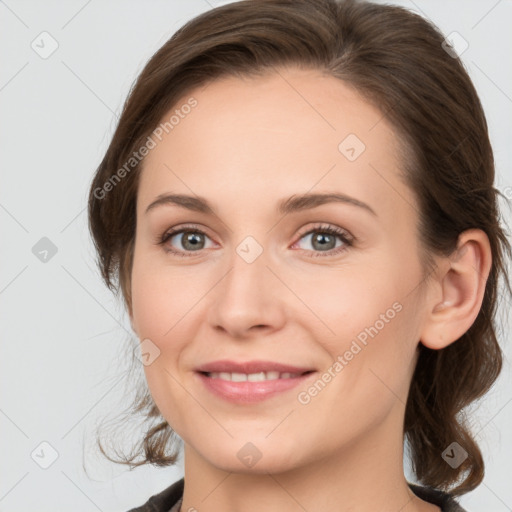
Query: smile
column 252, row 377
column 242, row 388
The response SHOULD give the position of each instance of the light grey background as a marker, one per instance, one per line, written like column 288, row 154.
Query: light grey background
column 64, row 335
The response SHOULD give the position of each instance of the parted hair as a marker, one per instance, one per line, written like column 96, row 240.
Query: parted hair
column 398, row 62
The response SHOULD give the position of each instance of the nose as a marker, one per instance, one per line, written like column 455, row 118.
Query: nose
column 248, row 300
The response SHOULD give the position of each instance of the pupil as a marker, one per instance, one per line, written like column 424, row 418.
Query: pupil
column 323, row 238
column 193, row 239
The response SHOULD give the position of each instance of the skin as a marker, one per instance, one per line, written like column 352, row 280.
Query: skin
column 247, row 145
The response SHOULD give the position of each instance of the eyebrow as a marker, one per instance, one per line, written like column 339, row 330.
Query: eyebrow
column 293, row 204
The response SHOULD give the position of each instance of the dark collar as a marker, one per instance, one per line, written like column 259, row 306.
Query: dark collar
column 164, row 500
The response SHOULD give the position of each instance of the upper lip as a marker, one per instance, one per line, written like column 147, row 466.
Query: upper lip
column 250, row 367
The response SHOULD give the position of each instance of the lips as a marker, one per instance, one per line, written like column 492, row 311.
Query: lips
column 250, row 382
column 249, row 367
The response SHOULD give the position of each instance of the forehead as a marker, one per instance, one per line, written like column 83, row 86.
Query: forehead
column 292, row 129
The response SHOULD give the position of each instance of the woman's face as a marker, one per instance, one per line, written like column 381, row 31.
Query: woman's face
column 259, row 278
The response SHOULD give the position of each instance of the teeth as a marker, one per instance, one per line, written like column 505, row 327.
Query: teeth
column 252, row 377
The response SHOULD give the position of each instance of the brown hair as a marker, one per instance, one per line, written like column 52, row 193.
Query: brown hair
column 396, row 60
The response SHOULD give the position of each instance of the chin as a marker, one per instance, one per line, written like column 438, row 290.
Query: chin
column 251, row 457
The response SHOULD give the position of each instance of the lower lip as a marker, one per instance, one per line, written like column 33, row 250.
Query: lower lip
column 250, row 392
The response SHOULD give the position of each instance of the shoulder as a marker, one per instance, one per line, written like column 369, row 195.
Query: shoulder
column 444, row 500
column 164, row 500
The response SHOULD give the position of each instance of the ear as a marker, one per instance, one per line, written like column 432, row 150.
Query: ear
column 458, row 290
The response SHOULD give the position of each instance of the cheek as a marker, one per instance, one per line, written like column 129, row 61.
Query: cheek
column 368, row 321
column 347, row 301
column 162, row 300
column 162, row 296
column 166, row 302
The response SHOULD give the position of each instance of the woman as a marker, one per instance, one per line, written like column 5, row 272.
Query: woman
column 298, row 207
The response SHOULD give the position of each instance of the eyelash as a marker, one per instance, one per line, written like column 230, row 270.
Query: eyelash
column 343, row 235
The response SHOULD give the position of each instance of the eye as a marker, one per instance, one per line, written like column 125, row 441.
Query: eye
column 323, row 239
column 191, row 239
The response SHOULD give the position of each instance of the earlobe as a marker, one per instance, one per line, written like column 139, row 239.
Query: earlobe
column 461, row 285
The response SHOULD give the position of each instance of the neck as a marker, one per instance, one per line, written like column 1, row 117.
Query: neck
column 366, row 475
